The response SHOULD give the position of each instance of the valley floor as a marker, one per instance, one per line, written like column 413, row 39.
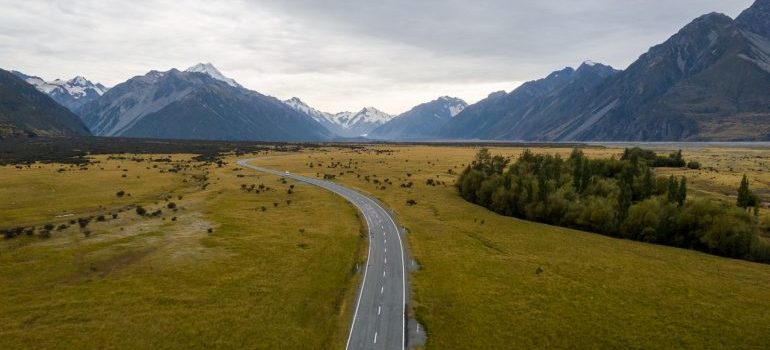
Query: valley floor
column 261, row 278
column 479, row 286
column 279, row 269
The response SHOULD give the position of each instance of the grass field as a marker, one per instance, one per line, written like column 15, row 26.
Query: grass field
column 285, row 276
column 268, row 279
column 479, row 287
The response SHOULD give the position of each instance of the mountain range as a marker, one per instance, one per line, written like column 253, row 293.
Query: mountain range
column 421, row 122
column 344, row 124
column 25, row 111
column 708, row 82
column 72, row 93
column 199, row 103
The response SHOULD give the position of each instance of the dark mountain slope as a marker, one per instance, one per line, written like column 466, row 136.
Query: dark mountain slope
column 519, row 114
column 26, row 111
column 421, row 122
column 709, row 81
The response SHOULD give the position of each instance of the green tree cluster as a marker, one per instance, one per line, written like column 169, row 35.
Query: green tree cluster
column 617, row 197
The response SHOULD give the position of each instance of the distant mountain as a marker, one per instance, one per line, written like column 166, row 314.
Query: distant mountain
column 421, row 122
column 709, row 81
column 344, row 124
column 196, row 105
column 25, row 111
column 72, row 93
column 519, row 114
column 323, row 118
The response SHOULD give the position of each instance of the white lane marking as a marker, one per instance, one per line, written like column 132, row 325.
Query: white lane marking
column 375, row 337
column 383, row 273
column 386, row 250
column 386, row 259
column 363, row 287
column 403, row 280
column 379, row 309
column 382, row 289
column 339, row 189
column 386, row 241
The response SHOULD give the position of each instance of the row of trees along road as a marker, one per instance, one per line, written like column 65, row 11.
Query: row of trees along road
column 617, row 197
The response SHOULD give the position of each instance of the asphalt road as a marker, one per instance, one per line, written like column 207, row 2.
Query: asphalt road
column 379, row 319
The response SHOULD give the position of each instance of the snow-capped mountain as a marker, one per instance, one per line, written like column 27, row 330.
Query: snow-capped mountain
column 421, row 122
column 362, row 122
column 27, row 111
column 303, row 107
column 191, row 105
column 210, row 70
column 345, row 124
column 72, row 93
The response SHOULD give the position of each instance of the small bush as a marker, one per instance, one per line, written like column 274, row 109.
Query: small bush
column 141, row 211
column 411, row 202
column 171, row 205
column 693, row 165
column 120, row 193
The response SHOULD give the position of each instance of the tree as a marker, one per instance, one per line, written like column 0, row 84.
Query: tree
column 576, row 159
column 746, row 198
column 648, row 184
column 673, row 190
column 682, row 195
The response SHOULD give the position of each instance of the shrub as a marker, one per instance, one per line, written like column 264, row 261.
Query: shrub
column 83, row 222
column 120, row 193
column 693, row 165
column 141, row 211
column 171, row 205
column 411, row 202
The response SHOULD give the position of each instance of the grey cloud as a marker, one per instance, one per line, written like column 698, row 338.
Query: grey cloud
column 340, row 54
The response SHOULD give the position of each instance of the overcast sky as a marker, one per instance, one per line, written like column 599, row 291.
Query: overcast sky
column 345, row 54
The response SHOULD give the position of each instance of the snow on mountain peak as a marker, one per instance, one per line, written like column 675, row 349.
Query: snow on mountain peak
column 372, row 115
column 213, row 72
column 589, row 63
column 79, row 81
column 76, row 87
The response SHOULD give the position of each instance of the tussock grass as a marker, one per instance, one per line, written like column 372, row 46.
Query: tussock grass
column 494, row 282
column 222, row 274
